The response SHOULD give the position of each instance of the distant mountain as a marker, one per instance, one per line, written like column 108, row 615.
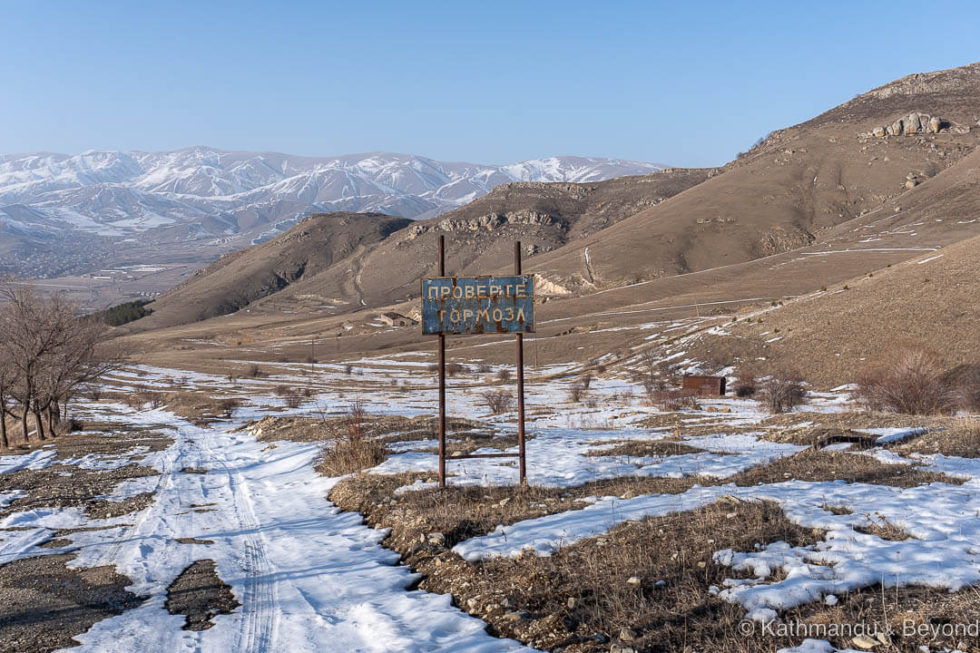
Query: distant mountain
column 221, row 200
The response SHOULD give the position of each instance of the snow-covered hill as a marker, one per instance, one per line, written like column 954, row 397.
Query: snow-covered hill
column 201, row 192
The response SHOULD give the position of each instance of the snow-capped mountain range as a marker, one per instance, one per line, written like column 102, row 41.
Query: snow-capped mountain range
column 118, row 193
column 214, row 196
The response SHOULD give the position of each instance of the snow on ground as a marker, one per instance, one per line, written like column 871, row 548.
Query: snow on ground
column 37, row 459
column 308, row 576
column 942, row 520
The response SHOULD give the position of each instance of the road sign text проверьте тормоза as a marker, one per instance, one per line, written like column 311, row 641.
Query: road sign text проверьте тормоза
column 473, row 305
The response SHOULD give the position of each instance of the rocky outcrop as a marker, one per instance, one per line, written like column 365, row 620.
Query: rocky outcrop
column 914, row 123
column 488, row 222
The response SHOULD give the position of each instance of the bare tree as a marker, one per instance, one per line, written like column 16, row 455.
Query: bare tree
column 48, row 352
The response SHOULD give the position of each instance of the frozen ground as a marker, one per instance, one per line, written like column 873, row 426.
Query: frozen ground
column 310, row 577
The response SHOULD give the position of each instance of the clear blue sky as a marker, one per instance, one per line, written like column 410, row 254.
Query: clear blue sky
column 684, row 83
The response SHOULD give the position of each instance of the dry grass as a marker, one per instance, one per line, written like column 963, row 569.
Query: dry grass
column 811, row 465
column 384, row 428
column 644, row 584
column 498, row 401
column 881, row 527
column 646, row 449
column 961, row 437
column 910, row 380
column 459, row 513
column 781, row 391
column 200, row 408
column 352, row 450
column 674, row 400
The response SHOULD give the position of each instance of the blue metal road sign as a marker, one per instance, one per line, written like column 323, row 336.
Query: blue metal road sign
column 470, row 305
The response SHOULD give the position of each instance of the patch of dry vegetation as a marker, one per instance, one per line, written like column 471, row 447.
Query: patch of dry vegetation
column 352, row 450
column 910, row 380
column 200, row 408
column 812, row 465
column 960, row 437
column 645, row 449
column 781, row 391
column 644, row 585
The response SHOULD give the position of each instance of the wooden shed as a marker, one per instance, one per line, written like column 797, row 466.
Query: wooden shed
column 705, row 386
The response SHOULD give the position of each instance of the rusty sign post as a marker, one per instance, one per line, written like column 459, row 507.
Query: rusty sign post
column 479, row 305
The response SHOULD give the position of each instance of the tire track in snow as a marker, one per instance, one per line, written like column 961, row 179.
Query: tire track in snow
column 259, row 615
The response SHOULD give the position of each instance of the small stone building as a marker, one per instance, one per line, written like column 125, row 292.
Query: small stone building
column 393, row 319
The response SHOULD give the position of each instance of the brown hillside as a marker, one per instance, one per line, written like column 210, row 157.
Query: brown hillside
column 790, row 190
column 480, row 236
column 832, row 336
column 239, row 278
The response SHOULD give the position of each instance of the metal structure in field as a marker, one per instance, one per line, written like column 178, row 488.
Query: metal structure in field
column 479, row 305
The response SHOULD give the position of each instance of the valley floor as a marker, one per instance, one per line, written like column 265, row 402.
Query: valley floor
column 176, row 522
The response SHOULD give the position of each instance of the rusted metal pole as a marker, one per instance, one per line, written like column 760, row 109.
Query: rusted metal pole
column 522, row 464
column 442, row 377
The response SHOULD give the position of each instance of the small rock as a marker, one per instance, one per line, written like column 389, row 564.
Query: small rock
column 515, row 617
column 436, row 538
column 472, row 603
column 865, row 642
column 506, row 603
column 934, row 124
column 633, row 580
column 911, row 183
column 626, row 635
column 504, row 502
column 619, row 648
column 571, row 603
column 830, row 599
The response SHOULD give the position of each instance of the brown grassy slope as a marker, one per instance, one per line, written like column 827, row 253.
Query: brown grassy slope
column 236, row 279
column 832, row 336
column 480, row 235
column 936, row 213
column 786, row 192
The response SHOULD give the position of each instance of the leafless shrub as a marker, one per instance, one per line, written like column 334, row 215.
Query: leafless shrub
column 910, row 381
column 503, row 374
column 576, row 392
column 293, row 398
column 142, row 396
column 671, row 400
column 348, row 369
column 484, row 368
column 966, row 380
column 352, row 451
column 282, row 390
column 453, row 369
column 253, row 371
column 498, row 401
column 745, row 385
column 781, row 391
column 227, row 405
